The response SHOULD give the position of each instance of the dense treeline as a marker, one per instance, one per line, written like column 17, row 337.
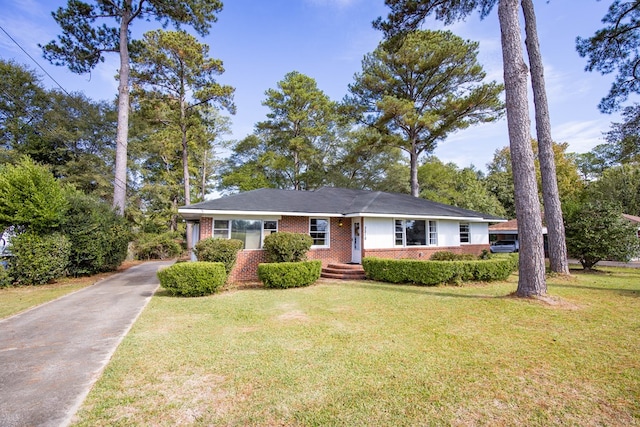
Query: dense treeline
column 414, row 89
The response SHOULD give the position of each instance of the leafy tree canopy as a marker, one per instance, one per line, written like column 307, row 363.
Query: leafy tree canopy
column 615, row 48
column 465, row 188
column 407, row 15
column 83, row 43
column 423, row 88
column 30, row 197
column 597, row 231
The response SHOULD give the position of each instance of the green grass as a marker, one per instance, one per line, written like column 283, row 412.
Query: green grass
column 367, row 353
column 13, row 300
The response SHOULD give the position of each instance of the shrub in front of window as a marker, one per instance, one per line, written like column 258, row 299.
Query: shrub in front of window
column 157, row 246
column 38, row 259
column 219, row 250
column 432, row 273
column 193, row 279
column 287, row 247
column 451, row 256
column 289, row 274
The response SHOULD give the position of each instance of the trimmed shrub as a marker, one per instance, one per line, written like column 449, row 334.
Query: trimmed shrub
column 437, row 272
column 193, row 279
column 38, row 259
column 99, row 237
column 219, row 250
column 157, row 246
column 289, row 274
column 451, row 256
column 30, row 197
column 5, row 279
column 287, row 247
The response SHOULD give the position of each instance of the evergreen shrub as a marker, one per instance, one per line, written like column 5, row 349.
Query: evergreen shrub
column 193, row 279
column 451, row 256
column 438, row 272
column 5, row 279
column 289, row 274
column 99, row 237
column 287, row 247
column 157, row 246
column 219, row 250
column 38, row 259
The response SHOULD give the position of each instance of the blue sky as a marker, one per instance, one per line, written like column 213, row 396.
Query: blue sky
column 260, row 41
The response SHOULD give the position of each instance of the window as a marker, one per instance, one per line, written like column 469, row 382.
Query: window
column 413, row 232
column 433, row 233
column 247, row 230
column 464, row 232
column 269, row 227
column 319, row 231
column 221, row 229
column 250, row 231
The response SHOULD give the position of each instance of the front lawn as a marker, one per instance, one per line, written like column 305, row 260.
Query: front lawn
column 368, row 353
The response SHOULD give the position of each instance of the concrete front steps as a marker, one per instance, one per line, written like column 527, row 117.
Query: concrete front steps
column 343, row 272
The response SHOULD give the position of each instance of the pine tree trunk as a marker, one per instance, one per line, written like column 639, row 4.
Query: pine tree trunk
column 122, row 132
column 552, row 207
column 415, row 186
column 531, row 281
column 185, row 171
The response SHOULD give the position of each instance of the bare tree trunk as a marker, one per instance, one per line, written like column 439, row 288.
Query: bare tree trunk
column 122, row 132
column 203, row 180
column 415, row 185
column 185, row 171
column 552, row 207
column 531, row 281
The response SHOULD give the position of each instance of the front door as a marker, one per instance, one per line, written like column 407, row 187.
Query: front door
column 356, row 247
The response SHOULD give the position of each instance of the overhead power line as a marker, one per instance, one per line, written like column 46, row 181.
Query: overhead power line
column 36, row 62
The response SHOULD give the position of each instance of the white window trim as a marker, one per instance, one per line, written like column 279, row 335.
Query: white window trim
column 468, row 242
column 404, row 233
column 262, row 235
column 327, row 238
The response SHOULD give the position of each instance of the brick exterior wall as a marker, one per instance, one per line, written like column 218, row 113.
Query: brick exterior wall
column 246, row 268
column 423, row 252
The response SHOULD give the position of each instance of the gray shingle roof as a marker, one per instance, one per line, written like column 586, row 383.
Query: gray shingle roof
column 335, row 201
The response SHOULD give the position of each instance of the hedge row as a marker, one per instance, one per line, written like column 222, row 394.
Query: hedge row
column 289, row 274
column 439, row 272
column 193, row 279
column 37, row 259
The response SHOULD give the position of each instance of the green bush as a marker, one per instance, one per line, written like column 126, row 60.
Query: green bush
column 193, row 279
column 5, row 279
column 219, row 250
column 451, row 256
column 289, row 274
column 157, row 246
column 438, row 272
column 287, row 247
column 30, row 197
column 38, row 259
column 99, row 237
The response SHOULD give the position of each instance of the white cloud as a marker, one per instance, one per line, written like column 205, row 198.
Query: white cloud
column 582, row 136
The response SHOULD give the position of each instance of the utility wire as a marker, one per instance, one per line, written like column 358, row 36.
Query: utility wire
column 36, row 62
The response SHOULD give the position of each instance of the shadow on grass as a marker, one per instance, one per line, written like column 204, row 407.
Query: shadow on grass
column 422, row 290
column 624, row 292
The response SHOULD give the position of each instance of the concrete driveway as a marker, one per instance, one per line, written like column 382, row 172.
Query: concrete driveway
column 51, row 356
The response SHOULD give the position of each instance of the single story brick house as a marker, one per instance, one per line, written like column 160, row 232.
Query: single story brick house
column 346, row 225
